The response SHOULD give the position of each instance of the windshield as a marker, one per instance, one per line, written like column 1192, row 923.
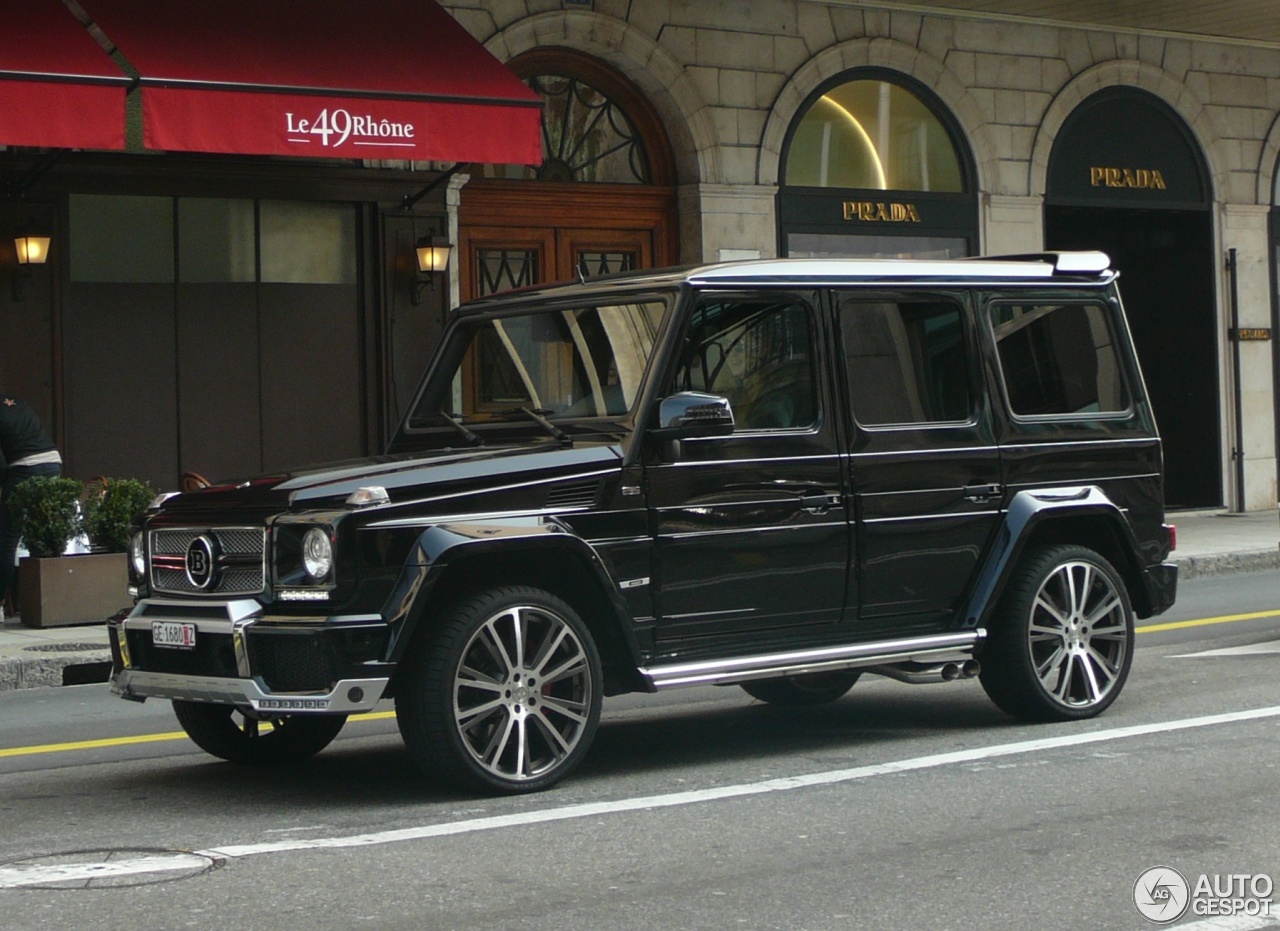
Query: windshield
column 560, row 364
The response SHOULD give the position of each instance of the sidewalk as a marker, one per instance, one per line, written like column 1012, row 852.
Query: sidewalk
column 1210, row 543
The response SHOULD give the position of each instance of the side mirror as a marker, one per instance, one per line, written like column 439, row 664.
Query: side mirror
column 694, row 414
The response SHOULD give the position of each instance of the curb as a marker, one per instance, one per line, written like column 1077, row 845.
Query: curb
column 56, row 664
column 1212, row 565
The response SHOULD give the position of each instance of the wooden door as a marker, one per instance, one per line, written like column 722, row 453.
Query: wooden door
column 498, row 259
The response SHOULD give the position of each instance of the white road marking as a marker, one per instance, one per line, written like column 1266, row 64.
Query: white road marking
column 15, row 876
column 1251, row 649
column 76, row 870
column 1229, row 923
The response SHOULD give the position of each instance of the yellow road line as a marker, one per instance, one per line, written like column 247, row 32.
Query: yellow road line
column 1205, row 621
column 91, row 744
column 140, row 739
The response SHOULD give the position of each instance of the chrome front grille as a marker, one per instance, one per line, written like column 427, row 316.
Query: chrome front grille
column 240, row 560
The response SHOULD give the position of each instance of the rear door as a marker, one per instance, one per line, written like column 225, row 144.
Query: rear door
column 923, row 464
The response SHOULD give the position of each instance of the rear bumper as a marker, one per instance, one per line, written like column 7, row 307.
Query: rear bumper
column 1162, row 587
column 239, row 657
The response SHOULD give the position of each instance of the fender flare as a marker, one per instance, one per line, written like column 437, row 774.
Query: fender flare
column 1028, row 510
column 441, row 546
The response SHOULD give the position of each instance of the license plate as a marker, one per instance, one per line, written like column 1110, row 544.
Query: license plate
column 175, row 634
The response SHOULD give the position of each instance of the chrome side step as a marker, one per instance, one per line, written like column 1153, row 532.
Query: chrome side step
column 801, row 662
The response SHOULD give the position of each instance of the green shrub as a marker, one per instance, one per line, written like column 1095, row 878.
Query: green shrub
column 47, row 509
column 113, row 509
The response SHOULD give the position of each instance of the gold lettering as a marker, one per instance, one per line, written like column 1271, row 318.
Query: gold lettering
column 866, row 211
column 1149, row 179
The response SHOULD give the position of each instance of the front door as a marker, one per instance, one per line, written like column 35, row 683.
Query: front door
column 750, row 529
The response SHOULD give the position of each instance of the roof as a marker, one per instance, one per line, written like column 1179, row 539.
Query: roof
column 1091, row 267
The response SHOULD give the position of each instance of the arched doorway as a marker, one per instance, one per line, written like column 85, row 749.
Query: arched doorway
column 874, row 165
column 603, row 199
column 1127, row 177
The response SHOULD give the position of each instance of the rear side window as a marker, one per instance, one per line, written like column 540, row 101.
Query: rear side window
column 1058, row 359
column 906, row 361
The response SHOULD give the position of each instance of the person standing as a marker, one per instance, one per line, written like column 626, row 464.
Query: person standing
column 26, row 452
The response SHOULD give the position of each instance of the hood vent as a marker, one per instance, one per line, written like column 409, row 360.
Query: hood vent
column 579, row 494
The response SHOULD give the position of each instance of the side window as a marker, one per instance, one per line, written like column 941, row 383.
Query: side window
column 1058, row 359
column 758, row 353
column 906, row 360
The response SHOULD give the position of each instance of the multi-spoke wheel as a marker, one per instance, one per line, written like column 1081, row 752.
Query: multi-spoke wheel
column 505, row 696
column 1062, row 642
column 817, row 688
column 229, row 733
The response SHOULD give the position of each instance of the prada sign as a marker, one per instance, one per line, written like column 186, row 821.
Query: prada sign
column 1126, row 148
column 866, row 211
column 1146, row 178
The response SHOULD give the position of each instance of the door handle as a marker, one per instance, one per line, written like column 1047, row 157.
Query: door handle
column 819, row 504
column 983, row 494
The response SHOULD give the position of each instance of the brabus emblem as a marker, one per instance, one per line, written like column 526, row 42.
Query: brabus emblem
column 200, row 562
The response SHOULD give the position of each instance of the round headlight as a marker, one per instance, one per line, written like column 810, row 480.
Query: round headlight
column 138, row 555
column 317, row 554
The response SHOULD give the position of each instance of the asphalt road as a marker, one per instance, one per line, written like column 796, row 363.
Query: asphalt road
column 897, row 807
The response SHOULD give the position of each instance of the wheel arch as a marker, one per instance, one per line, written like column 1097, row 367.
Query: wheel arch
column 1084, row 516
column 546, row 558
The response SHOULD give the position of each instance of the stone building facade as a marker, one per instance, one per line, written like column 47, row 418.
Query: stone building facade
column 729, row 79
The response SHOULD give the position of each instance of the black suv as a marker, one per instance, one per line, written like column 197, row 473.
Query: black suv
column 777, row 474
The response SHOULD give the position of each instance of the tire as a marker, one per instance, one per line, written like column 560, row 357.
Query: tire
column 1062, row 642
column 505, row 696
column 226, row 732
column 816, row 688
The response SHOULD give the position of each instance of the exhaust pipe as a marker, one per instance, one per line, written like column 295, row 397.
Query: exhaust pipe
column 970, row 669
column 918, row 673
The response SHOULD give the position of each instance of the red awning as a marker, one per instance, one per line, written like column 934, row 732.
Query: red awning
column 60, row 88
column 390, row 79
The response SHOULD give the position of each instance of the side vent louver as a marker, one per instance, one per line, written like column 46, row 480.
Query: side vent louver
column 573, row 494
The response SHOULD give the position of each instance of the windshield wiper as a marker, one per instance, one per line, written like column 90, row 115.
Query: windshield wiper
column 537, row 415
column 456, row 422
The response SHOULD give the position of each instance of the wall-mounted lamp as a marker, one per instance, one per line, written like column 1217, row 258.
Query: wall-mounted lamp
column 31, row 250
column 433, row 257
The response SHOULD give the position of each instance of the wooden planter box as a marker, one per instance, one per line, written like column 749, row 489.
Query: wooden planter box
column 84, row 589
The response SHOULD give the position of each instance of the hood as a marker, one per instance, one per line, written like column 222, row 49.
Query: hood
column 404, row 476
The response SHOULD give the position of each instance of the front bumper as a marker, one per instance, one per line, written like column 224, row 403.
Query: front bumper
column 240, row 657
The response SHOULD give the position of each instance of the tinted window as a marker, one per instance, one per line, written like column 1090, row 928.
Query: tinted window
column 1058, row 359
column 577, row 362
column 906, row 361
column 758, row 353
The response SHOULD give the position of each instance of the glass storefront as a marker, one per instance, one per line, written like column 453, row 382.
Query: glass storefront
column 195, row 301
column 873, row 167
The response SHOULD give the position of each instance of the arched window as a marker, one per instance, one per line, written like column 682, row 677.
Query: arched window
column 874, row 166
column 595, row 124
column 873, row 134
